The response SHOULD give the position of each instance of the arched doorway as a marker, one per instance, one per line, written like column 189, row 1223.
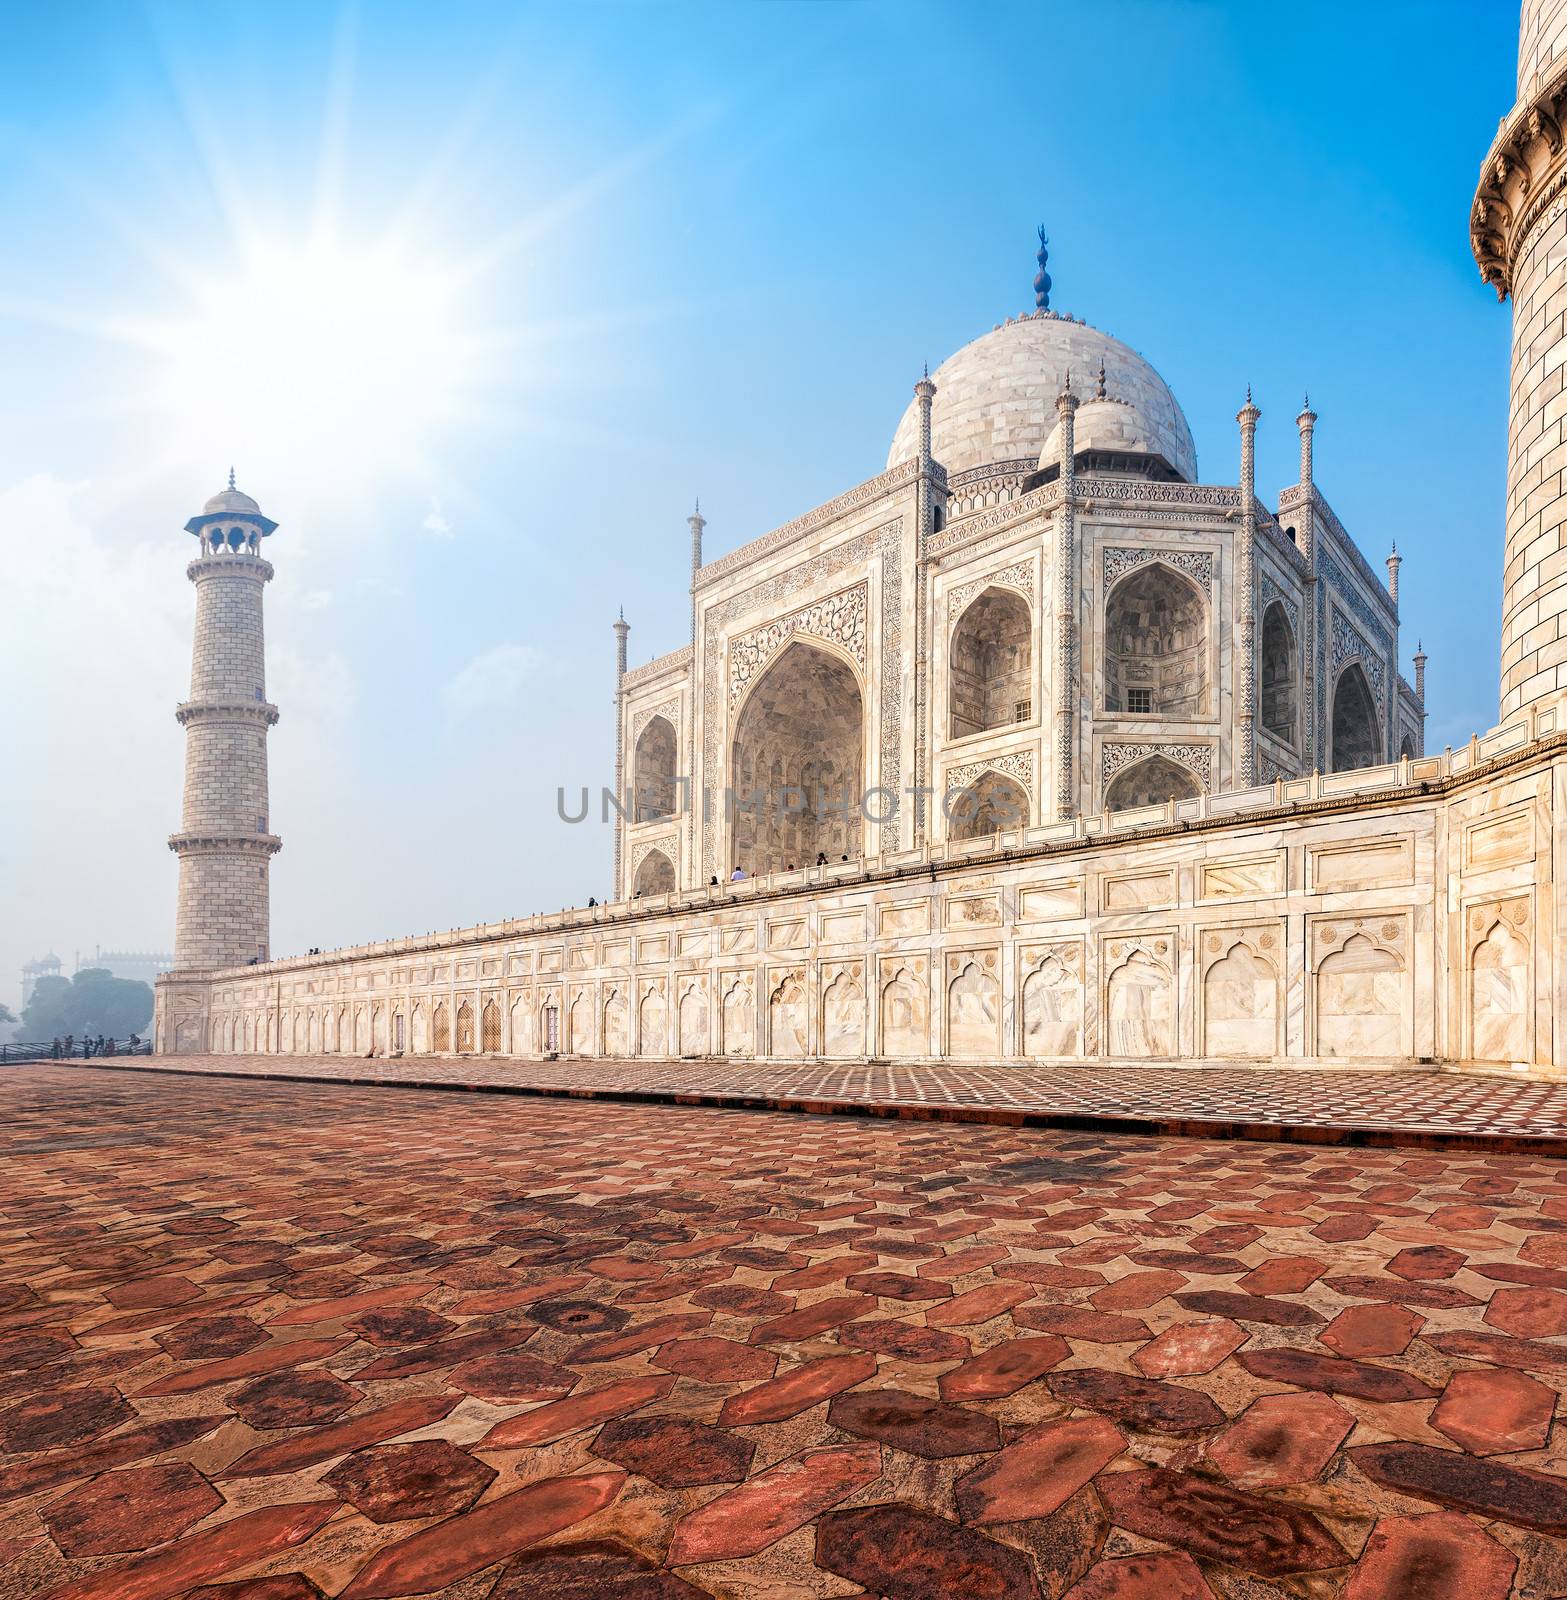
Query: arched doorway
column 1156, row 645
column 653, row 770
column 992, row 804
column 1356, row 740
column 1153, row 781
column 655, row 875
column 1280, row 677
column 990, row 664
column 797, row 763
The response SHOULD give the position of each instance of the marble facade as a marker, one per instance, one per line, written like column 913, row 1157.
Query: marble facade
column 1133, row 773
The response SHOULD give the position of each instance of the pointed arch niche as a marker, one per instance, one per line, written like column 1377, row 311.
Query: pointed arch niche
column 990, row 663
column 991, row 804
column 1156, row 646
column 1357, row 740
column 1279, row 677
column 1153, row 781
column 797, row 762
column 653, row 771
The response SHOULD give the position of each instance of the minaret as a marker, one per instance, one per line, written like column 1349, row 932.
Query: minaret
column 225, row 845
column 1245, row 582
column 1518, row 230
column 1394, row 562
column 698, row 524
column 1066, row 607
column 925, row 523
column 622, row 629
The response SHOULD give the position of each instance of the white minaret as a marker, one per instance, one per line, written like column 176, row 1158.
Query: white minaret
column 225, row 844
column 1518, row 229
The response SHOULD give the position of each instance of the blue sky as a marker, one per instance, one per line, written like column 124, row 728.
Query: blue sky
column 682, row 249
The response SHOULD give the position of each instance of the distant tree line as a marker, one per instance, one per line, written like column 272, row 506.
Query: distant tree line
column 93, row 1002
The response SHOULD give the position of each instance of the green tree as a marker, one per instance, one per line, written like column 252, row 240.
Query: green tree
column 92, row 1002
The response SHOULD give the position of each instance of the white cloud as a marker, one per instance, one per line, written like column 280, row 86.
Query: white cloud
column 315, row 599
column 493, row 679
column 435, row 521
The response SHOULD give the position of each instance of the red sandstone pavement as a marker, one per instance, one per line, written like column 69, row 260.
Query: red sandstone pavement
column 1353, row 1106
column 265, row 1340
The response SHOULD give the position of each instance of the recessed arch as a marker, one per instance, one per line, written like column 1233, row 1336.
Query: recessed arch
column 1156, row 645
column 797, row 762
column 993, row 803
column 655, row 875
column 1357, row 739
column 990, row 663
column 1154, row 781
column 653, row 770
column 1280, row 677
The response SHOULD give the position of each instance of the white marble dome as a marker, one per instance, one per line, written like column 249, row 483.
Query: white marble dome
column 231, row 501
column 996, row 398
column 1107, row 424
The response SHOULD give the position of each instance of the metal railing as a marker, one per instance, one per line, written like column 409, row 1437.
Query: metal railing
column 80, row 1049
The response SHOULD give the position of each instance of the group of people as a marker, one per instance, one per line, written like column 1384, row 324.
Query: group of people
column 64, row 1049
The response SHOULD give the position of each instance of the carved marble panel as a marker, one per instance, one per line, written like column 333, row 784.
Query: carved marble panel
column 617, row 1021
column 653, row 1018
column 788, row 1015
column 904, row 1006
column 843, row 1009
column 1242, row 991
column 1139, row 1002
column 1052, row 994
column 1498, row 936
column 695, row 1032
column 738, row 1015
column 974, row 1004
column 1359, row 980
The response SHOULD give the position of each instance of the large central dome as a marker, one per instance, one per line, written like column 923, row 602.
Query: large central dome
column 996, row 398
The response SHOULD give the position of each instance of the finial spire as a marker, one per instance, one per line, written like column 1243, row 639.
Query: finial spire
column 1042, row 278
column 1099, row 393
column 231, row 478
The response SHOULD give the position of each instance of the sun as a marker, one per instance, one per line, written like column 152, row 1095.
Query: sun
column 326, row 359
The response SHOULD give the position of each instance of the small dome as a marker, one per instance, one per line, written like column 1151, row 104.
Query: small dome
column 1105, row 424
column 228, row 501
column 996, row 398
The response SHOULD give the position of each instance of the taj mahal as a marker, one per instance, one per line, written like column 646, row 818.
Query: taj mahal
column 1038, row 745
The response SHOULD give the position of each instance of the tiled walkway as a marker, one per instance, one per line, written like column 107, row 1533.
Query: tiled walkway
column 271, row 1341
column 1370, row 1106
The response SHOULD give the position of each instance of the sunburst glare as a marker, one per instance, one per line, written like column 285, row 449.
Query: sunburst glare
column 331, row 358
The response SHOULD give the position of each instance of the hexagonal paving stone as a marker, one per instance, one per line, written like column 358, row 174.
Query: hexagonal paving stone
column 1190, row 1349
column 1281, row 1438
column 63, row 1416
column 1137, row 1402
column 401, row 1325
column 590, row 1572
column 675, row 1452
column 1375, row 1330
column 210, row 1338
column 423, row 1478
column 294, row 1399
column 1530, row 1313
column 1426, row 1261
column 130, row 1510
column 907, row 1554
column 578, row 1316
column 513, row 1376
column 914, row 1423
column 287, row 1586
column 716, row 1360
column 1491, row 1413
column 1438, row 1556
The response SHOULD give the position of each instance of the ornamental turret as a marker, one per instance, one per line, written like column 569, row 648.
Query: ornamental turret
column 225, row 844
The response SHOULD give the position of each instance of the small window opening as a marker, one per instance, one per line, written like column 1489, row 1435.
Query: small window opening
column 1022, row 711
column 1139, row 702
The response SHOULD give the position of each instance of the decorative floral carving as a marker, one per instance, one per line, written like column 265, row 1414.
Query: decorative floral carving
column 1117, row 754
column 668, row 845
column 1018, row 765
column 1020, row 575
column 669, row 710
column 839, row 619
column 1120, row 560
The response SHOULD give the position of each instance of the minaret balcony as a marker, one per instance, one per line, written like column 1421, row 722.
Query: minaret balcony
column 236, row 710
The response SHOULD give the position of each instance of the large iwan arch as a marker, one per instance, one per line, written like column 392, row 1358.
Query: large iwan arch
column 990, row 664
column 1280, row 677
column 1357, row 739
column 797, row 763
column 1156, row 646
column 653, row 771
column 1153, row 781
